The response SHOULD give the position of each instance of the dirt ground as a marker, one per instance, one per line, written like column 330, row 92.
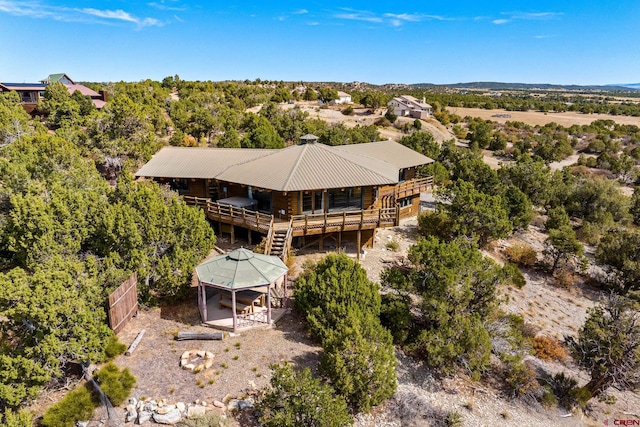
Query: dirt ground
column 539, row 118
column 242, row 361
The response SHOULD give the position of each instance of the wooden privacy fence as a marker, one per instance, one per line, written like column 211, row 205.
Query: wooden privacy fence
column 123, row 303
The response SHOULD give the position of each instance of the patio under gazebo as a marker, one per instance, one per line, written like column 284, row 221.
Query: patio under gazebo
column 235, row 289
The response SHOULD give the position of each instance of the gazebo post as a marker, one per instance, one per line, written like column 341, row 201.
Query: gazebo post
column 269, row 304
column 285, row 299
column 202, row 296
column 233, row 303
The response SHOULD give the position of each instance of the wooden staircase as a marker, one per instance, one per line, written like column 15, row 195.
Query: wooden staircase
column 279, row 240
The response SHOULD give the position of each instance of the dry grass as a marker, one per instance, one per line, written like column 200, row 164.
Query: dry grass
column 537, row 118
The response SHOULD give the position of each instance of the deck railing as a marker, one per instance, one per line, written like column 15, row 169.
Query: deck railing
column 410, row 188
column 252, row 220
column 302, row 225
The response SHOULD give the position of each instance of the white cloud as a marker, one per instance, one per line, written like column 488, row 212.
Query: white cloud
column 359, row 16
column 35, row 9
column 121, row 15
column 500, row 21
column 538, row 16
column 393, row 19
column 177, row 18
column 301, row 12
column 313, row 23
column 163, row 6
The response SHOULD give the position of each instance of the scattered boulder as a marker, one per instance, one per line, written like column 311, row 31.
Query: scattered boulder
column 144, row 416
column 170, row 418
column 131, row 415
column 218, row 404
column 195, row 411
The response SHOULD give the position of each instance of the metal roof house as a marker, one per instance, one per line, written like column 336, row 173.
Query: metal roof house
column 309, row 189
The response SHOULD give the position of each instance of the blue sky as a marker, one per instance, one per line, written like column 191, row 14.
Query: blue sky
column 432, row 41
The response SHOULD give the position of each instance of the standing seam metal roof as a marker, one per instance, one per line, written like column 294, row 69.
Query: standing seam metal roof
column 295, row 168
column 241, row 269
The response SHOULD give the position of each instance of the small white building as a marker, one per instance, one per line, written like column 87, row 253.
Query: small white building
column 343, row 98
column 408, row 106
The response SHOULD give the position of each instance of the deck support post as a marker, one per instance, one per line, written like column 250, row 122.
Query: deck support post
column 233, row 234
column 359, row 239
column 339, row 240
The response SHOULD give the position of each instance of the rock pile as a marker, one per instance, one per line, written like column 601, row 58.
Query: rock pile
column 160, row 412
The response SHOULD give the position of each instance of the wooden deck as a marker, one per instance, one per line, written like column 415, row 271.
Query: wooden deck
column 300, row 225
column 227, row 214
column 410, row 188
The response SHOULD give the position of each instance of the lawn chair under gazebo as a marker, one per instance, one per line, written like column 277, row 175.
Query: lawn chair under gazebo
column 243, row 281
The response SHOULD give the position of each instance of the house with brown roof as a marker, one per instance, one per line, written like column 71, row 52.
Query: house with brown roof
column 32, row 93
column 305, row 193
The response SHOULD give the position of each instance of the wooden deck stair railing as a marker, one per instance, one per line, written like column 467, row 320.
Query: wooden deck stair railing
column 279, row 240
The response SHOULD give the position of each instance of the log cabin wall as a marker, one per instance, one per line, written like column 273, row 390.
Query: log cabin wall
column 233, row 190
column 198, row 188
column 294, row 203
column 411, row 209
column 410, row 173
column 280, row 202
column 368, row 197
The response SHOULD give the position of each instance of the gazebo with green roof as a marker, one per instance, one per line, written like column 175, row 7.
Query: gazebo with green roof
column 240, row 274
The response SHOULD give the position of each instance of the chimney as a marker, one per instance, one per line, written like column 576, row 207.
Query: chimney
column 104, row 95
column 424, row 100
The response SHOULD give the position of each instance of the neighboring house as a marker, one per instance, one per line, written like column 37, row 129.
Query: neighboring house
column 408, row 106
column 343, row 98
column 304, row 190
column 31, row 93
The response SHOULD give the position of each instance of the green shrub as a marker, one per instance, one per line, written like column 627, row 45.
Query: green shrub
column 211, row 418
column 513, row 276
column 359, row 359
column 329, row 290
column 522, row 255
column 461, row 342
column 393, row 245
column 395, row 316
column 298, row 399
column 114, row 383
column 77, row 405
column 581, row 395
column 563, row 387
column 454, row 419
column 348, row 111
column 21, row 418
column 114, row 348
column 549, row 399
column 521, row 380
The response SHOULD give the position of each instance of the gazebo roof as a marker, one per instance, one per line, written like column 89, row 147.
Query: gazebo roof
column 241, row 269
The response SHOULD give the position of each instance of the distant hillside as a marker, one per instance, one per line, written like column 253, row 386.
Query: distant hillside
column 529, row 86
column 635, row 86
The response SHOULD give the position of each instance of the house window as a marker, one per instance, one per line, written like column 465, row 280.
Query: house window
column 264, row 200
column 407, row 201
column 345, row 198
column 181, row 185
